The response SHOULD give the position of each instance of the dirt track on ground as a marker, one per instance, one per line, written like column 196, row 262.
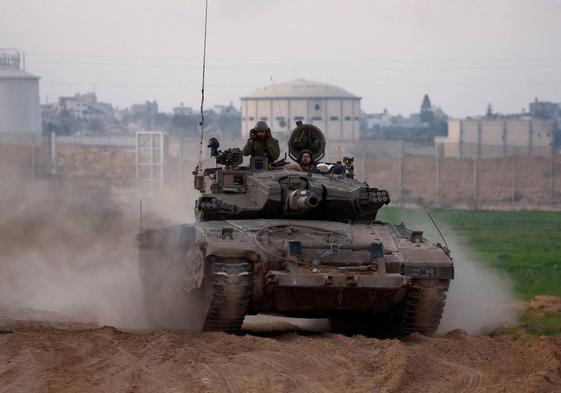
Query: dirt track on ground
column 37, row 357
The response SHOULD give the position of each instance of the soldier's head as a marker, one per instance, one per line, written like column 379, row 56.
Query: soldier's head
column 305, row 157
column 262, row 130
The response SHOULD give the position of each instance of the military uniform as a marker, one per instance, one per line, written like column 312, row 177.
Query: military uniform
column 266, row 147
column 298, row 166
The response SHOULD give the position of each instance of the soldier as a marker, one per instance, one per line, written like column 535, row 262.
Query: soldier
column 305, row 162
column 261, row 143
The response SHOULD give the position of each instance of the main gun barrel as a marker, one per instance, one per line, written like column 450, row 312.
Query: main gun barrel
column 301, row 200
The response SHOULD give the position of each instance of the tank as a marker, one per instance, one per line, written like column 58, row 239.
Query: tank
column 301, row 244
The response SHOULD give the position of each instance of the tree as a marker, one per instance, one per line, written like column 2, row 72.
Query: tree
column 427, row 115
column 489, row 111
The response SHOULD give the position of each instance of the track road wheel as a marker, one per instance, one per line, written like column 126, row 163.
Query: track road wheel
column 423, row 307
column 231, row 284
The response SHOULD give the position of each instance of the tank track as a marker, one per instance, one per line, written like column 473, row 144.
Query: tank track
column 232, row 284
column 423, row 307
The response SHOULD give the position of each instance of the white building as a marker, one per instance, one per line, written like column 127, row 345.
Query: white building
column 182, row 110
column 334, row 110
column 496, row 137
column 85, row 107
column 20, row 111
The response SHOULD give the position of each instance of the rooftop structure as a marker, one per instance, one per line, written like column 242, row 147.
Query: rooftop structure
column 333, row 109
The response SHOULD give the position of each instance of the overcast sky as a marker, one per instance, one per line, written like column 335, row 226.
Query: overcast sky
column 464, row 54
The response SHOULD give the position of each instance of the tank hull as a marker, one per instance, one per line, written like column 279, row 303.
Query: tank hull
column 304, row 268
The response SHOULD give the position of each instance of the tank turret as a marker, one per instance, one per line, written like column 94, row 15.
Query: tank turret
column 231, row 191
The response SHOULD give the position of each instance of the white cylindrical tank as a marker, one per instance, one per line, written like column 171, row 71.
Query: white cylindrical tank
column 20, row 111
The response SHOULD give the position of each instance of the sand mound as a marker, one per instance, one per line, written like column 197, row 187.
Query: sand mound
column 106, row 359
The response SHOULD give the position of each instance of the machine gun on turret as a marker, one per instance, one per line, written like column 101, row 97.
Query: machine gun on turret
column 229, row 158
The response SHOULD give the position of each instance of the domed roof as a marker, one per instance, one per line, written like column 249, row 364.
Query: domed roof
column 300, row 88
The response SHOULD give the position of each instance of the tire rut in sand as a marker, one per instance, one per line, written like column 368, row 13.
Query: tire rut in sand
column 302, row 383
column 472, row 380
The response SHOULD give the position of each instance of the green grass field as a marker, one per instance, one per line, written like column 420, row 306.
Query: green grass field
column 525, row 245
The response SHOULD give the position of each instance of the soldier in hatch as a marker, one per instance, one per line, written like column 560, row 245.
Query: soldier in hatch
column 305, row 162
column 261, row 143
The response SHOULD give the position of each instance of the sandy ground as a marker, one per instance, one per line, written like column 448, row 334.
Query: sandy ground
column 63, row 357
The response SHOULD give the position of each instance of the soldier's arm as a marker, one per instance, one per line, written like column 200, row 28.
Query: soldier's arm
column 293, row 166
column 248, row 148
column 273, row 148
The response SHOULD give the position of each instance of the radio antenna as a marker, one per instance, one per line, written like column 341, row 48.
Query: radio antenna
column 199, row 169
column 437, row 228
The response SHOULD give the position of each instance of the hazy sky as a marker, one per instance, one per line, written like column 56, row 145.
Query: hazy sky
column 464, row 54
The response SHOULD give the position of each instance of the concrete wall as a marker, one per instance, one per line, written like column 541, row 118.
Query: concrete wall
column 517, row 182
column 510, row 183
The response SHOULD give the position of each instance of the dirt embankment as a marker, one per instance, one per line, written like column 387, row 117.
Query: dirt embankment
column 36, row 357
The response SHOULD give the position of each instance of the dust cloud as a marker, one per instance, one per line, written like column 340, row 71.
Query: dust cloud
column 68, row 251
column 479, row 299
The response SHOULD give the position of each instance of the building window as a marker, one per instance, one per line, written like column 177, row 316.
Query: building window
column 334, row 118
column 243, row 118
column 347, row 118
column 264, row 118
column 279, row 118
column 316, row 118
column 251, row 118
column 301, row 118
column 317, row 107
column 356, row 117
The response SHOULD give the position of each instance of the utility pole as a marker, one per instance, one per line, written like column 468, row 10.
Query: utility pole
column 53, row 153
column 401, row 153
column 552, row 176
column 437, row 175
column 514, row 177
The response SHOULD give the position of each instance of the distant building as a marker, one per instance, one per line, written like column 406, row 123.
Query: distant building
column 182, row 110
column 148, row 108
column 545, row 110
column 334, row 110
column 226, row 110
column 85, row 107
column 19, row 95
column 373, row 120
column 497, row 137
column 424, row 125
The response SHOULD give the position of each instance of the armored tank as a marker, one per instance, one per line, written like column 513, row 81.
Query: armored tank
column 292, row 243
